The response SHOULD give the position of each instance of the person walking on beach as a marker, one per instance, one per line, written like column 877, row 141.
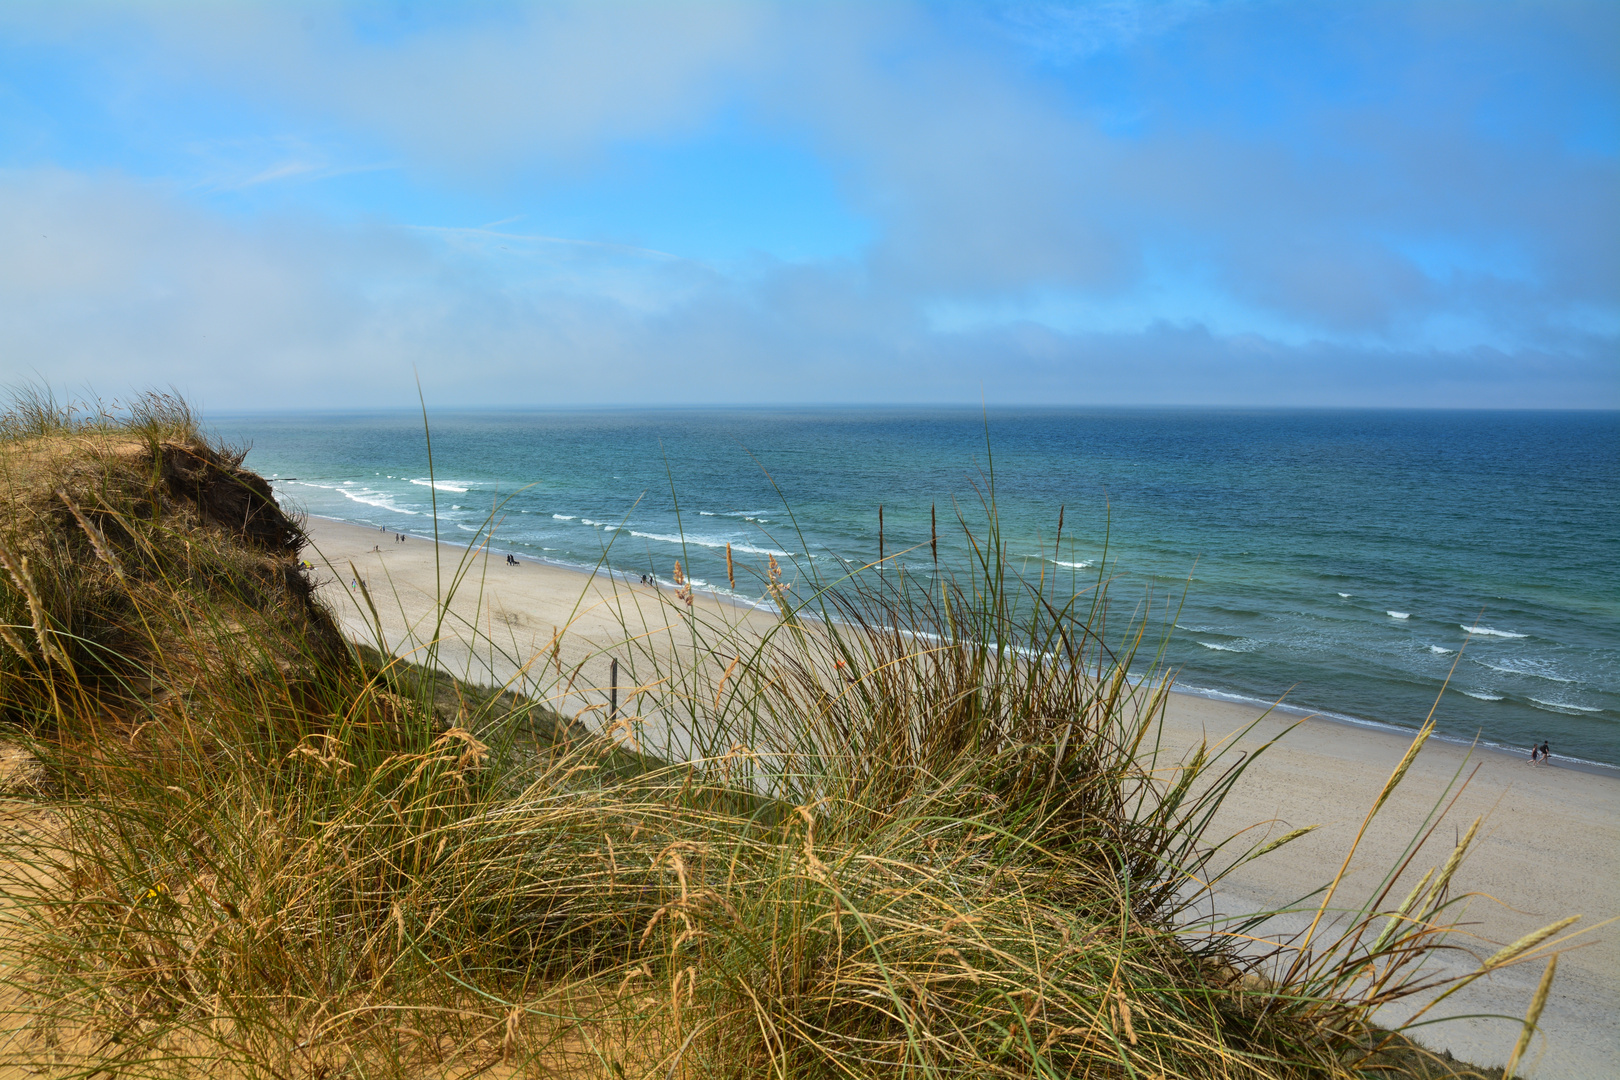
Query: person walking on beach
column 1535, row 753
column 1546, row 752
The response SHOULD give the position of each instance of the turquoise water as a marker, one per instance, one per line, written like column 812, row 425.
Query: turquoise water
column 1337, row 557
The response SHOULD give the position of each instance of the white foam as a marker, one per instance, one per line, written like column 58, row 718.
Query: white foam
column 1566, row 707
column 1218, row 695
column 1486, row 631
column 1480, row 695
column 563, row 517
column 366, row 496
column 1441, row 651
column 588, row 521
column 707, row 513
column 442, row 485
column 1399, row 614
column 1223, row 648
column 1535, row 669
column 1081, row 565
column 1345, row 595
column 708, row 543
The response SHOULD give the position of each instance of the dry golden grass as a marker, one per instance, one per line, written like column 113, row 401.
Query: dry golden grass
column 905, row 835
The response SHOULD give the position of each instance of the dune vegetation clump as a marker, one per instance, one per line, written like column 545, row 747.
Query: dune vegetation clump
column 902, row 835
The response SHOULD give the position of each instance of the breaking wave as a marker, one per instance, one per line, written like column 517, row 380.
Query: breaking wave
column 1486, row 631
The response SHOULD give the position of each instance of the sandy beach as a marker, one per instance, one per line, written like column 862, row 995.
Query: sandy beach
column 1550, row 845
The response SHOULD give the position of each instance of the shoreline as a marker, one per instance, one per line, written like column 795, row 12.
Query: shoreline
column 1550, row 845
column 1298, row 712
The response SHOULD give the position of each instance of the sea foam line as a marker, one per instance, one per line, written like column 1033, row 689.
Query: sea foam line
column 1600, row 767
column 1527, row 668
column 1486, row 631
column 700, row 542
column 1566, row 707
column 380, row 500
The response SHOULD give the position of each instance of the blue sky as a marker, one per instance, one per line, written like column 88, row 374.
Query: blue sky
column 1184, row 202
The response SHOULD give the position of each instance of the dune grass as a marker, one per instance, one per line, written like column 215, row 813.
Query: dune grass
column 915, row 830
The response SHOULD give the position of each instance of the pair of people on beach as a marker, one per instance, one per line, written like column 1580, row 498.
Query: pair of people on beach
column 511, row 561
column 1539, row 753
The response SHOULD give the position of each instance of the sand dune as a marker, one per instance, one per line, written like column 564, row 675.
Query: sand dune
column 1549, row 848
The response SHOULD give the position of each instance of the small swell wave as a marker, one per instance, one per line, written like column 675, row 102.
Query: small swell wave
column 1345, row 595
column 1482, row 695
column 366, row 496
column 1486, row 631
column 1399, row 614
column 1534, row 669
column 1568, row 708
column 1081, row 565
column 442, row 485
column 1238, row 647
column 1440, row 650
column 665, row 538
column 563, row 517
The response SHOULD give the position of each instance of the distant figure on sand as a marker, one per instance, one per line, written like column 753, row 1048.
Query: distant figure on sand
column 1535, row 753
column 1546, row 752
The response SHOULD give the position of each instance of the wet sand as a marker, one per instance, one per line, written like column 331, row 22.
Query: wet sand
column 1550, row 845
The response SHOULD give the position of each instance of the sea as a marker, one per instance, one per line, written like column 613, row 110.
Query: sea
column 1340, row 561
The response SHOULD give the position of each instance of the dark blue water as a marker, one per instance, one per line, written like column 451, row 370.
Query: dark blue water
column 1336, row 556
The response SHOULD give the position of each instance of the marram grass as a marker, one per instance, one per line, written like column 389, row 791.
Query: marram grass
column 913, row 831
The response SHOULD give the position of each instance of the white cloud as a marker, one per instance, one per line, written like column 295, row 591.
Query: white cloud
column 116, row 284
column 995, row 192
